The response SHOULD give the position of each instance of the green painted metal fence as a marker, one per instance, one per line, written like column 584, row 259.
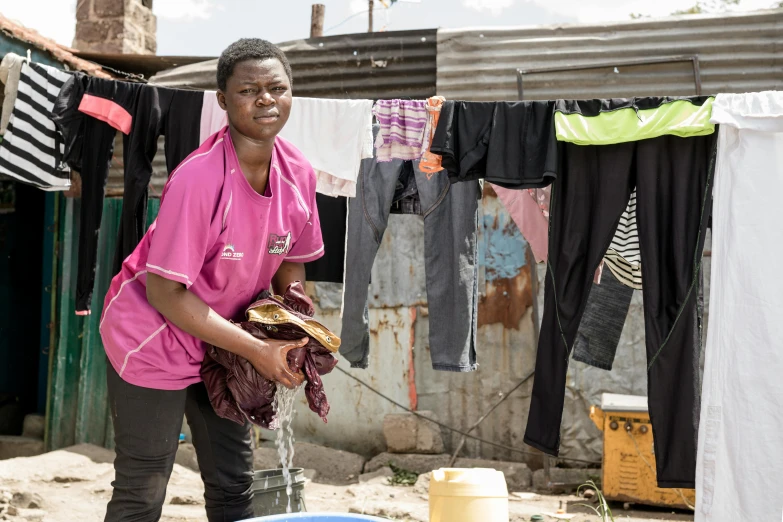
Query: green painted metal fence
column 77, row 409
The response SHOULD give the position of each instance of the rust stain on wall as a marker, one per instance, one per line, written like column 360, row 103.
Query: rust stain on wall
column 506, row 300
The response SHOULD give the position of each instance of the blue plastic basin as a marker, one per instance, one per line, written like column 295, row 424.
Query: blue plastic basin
column 318, row 517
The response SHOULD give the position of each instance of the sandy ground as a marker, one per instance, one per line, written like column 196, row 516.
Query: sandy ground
column 75, row 485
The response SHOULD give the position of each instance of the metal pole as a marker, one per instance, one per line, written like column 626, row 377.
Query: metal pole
column 369, row 29
column 317, row 20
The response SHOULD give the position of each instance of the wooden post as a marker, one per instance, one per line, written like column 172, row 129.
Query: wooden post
column 369, row 30
column 317, row 20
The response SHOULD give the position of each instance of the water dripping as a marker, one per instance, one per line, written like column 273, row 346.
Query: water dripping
column 284, row 410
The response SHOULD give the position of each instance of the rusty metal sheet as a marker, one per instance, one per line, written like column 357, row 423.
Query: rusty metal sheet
column 356, row 415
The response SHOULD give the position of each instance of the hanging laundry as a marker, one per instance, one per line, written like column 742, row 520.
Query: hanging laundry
column 624, row 257
column 10, row 71
column 450, row 258
column 239, row 393
column 213, row 116
column 402, row 124
column 431, row 163
column 740, row 454
column 88, row 112
column 334, row 135
column 532, row 221
column 510, row 144
column 673, row 179
column 636, row 119
column 623, row 120
column 32, row 150
column 602, row 322
column 333, row 212
column 203, row 240
column 173, row 113
column 526, row 214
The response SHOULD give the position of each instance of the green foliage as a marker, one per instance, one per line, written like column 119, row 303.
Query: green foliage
column 602, row 510
column 708, row 6
column 402, row 477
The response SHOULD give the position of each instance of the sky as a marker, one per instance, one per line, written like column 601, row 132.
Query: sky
column 206, row 27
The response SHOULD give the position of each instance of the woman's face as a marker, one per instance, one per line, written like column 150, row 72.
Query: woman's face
column 257, row 98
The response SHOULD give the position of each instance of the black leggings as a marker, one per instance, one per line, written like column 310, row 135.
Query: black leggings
column 147, row 424
column 673, row 178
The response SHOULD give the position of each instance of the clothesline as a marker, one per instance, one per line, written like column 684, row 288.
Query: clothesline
column 625, row 183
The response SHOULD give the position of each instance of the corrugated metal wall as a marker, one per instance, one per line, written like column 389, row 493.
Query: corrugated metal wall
column 737, row 53
column 78, row 403
column 398, row 64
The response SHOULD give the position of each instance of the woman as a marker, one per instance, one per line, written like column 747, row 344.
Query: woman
column 237, row 216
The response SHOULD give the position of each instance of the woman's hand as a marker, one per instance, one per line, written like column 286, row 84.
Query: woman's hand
column 271, row 362
column 188, row 312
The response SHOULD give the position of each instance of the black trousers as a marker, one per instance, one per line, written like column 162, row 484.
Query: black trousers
column 96, row 160
column 173, row 113
column 673, row 178
column 147, row 424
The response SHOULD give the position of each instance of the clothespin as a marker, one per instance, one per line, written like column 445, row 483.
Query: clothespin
column 29, row 56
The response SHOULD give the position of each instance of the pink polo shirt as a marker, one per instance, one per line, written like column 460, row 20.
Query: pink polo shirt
column 221, row 239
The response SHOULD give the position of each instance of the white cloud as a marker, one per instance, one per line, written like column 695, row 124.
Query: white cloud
column 46, row 17
column 357, row 6
column 493, row 6
column 185, row 9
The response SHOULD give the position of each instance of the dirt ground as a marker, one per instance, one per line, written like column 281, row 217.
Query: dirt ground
column 75, row 484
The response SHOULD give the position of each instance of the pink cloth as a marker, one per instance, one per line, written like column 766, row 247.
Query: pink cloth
column 525, row 212
column 530, row 211
column 222, row 240
column 106, row 110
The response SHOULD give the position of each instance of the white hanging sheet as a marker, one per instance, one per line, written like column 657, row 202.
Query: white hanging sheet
column 740, row 454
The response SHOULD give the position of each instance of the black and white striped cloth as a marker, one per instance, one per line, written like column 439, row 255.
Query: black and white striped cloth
column 624, row 257
column 32, row 149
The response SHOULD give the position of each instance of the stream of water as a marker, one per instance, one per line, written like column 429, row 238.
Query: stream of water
column 284, row 410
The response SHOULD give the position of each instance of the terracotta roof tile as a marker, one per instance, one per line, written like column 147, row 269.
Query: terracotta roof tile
column 60, row 52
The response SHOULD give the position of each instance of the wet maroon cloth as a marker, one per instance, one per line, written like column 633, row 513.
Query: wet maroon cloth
column 239, row 393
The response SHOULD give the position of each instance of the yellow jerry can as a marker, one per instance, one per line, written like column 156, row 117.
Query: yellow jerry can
column 629, row 456
column 468, row 495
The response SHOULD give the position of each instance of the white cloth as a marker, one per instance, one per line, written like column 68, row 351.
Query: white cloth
column 740, row 455
column 334, row 135
column 213, row 117
column 10, row 69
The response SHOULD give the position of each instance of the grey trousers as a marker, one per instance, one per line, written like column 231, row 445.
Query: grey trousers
column 147, row 423
column 450, row 259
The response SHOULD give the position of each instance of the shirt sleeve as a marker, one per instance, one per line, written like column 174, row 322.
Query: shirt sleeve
column 181, row 238
column 309, row 245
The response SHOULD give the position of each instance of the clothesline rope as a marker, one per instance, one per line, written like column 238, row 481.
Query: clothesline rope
column 455, row 430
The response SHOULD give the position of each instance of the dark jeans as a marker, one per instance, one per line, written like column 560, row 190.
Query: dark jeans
column 673, row 179
column 147, row 425
column 450, row 257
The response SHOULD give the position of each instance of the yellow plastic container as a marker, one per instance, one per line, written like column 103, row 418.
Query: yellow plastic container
column 468, row 495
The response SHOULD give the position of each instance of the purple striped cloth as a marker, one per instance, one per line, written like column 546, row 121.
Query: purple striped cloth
column 402, row 124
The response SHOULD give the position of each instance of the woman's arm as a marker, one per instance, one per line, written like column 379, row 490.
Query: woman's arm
column 287, row 274
column 188, row 312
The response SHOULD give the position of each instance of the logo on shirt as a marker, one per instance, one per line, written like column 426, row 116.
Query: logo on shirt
column 279, row 245
column 229, row 252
